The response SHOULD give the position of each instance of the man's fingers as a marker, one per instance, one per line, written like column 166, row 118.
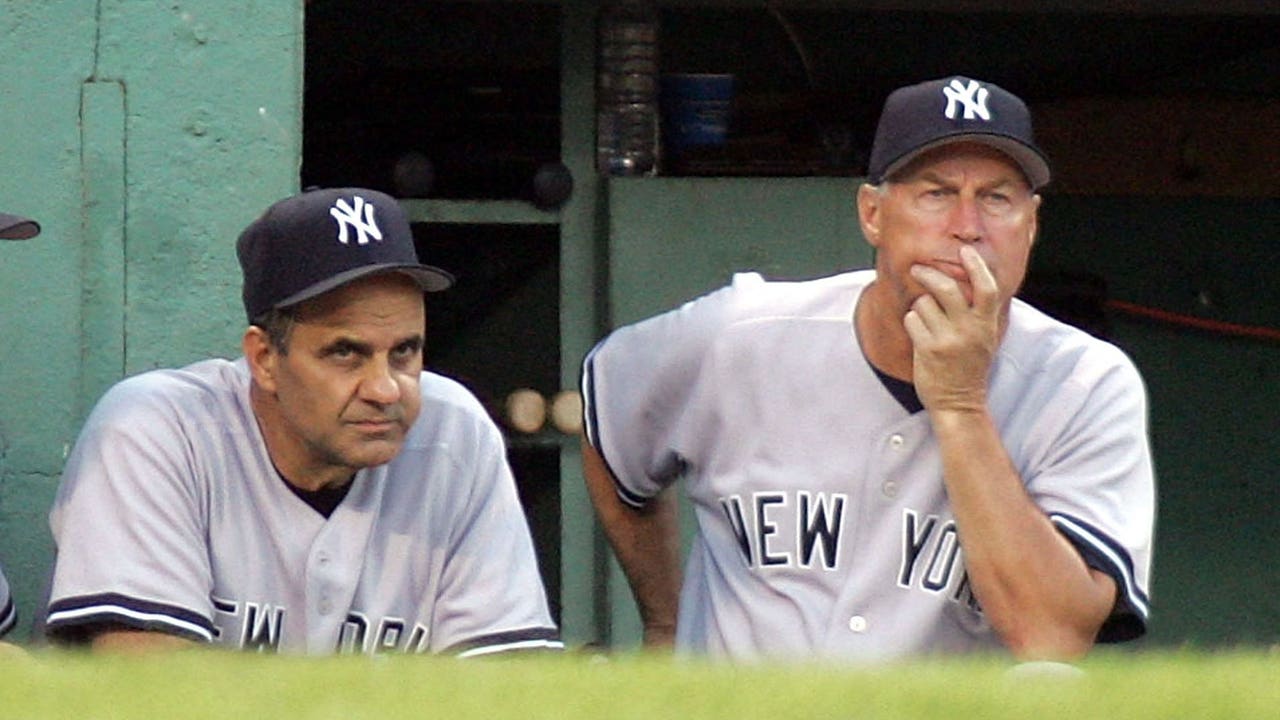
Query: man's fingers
column 928, row 311
column 944, row 288
column 915, row 327
column 986, row 293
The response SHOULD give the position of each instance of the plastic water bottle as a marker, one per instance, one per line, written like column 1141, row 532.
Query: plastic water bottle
column 627, row 88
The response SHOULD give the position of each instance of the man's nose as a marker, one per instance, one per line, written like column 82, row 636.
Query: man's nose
column 379, row 385
column 966, row 220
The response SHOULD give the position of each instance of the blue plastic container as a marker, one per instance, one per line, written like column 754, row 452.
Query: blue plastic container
column 696, row 109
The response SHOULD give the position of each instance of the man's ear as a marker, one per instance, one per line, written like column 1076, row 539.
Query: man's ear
column 1035, row 220
column 262, row 357
column 869, row 213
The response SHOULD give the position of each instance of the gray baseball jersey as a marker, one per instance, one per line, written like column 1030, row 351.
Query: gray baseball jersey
column 171, row 517
column 823, row 526
column 8, row 611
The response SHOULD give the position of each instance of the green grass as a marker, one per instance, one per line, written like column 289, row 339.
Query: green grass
column 1127, row 686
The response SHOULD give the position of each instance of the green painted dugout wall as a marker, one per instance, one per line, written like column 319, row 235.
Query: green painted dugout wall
column 143, row 136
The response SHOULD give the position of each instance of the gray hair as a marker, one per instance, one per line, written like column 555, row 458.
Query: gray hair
column 278, row 324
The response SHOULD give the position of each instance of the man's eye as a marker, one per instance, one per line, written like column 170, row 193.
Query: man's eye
column 341, row 352
column 406, row 352
column 997, row 202
column 934, row 199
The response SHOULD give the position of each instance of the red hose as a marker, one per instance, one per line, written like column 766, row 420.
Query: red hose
column 1215, row 326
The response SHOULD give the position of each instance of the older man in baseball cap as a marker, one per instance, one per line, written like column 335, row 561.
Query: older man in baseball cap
column 321, row 493
column 12, row 227
column 897, row 461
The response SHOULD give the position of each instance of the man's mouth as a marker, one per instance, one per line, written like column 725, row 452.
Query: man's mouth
column 376, row 424
column 951, row 269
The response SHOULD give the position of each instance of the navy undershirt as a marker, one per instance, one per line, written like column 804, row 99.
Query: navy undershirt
column 901, row 390
column 324, row 501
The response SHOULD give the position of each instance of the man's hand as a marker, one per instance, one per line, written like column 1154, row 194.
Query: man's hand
column 954, row 339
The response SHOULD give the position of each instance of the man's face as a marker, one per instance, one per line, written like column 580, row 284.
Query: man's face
column 346, row 392
column 959, row 194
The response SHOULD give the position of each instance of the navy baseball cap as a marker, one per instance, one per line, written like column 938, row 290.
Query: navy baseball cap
column 315, row 241
column 921, row 117
column 13, row 227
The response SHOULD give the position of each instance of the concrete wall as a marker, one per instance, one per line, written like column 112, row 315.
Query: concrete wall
column 143, row 136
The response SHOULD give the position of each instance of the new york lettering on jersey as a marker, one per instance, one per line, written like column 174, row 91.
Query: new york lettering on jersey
column 805, row 530
column 758, row 523
column 259, row 627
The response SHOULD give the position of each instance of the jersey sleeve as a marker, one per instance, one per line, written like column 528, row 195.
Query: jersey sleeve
column 8, row 611
column 491, row 598
column 1097, row 485
column 126, row 524
column 637, row 390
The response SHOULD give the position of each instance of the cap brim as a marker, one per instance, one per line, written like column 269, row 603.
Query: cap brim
column 428, row 277
column 1033, row 164
column 13, row 227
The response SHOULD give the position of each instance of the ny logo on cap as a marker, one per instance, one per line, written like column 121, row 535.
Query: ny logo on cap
column 348, row 216
column 973, row 97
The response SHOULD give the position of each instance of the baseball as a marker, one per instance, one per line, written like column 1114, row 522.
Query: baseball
column 552, row 186
column 413, row 175
column 566, row 412
column 526, row 410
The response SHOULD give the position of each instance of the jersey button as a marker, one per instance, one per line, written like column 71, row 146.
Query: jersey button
column 896, row 441
column 889, row 488
column 858, row 624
